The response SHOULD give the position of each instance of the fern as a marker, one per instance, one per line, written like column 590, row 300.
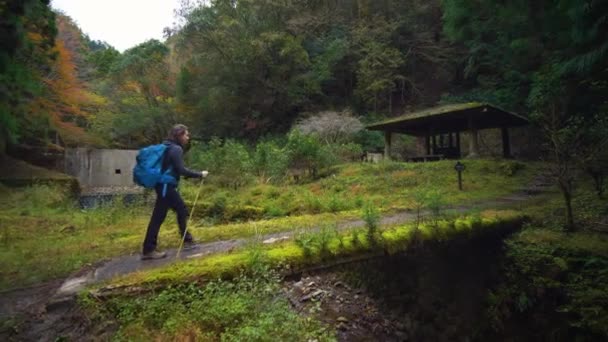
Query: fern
column 585, row 63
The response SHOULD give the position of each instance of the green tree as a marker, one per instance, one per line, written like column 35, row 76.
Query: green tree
column 26, row 51
column 507, row 42
column 250, row 67
column 141, row 90
column 245, row 73
column 102, row 57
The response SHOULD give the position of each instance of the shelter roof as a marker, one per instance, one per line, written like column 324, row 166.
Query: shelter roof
column 450, row 118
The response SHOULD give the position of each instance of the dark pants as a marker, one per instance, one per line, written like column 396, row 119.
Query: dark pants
column 172, row 200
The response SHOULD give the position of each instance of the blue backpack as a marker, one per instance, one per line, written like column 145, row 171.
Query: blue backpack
column 147, row 171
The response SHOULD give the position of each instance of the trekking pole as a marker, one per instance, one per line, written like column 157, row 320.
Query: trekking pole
column 181, row 244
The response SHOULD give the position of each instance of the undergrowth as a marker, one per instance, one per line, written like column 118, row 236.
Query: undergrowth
column 555, row 283
column 250, row 307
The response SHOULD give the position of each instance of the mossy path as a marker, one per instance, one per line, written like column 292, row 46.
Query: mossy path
column 132, row 263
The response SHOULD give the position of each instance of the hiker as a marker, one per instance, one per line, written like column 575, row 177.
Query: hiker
column 167, row 195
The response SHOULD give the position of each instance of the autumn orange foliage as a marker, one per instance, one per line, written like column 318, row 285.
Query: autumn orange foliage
column 67, row 101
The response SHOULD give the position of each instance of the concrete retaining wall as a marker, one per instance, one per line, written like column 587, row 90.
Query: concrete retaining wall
column 101, row 168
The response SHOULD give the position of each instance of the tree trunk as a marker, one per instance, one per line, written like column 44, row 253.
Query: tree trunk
column 566, row 188
column 3, row 144
column 598, row 182
column 376, row 103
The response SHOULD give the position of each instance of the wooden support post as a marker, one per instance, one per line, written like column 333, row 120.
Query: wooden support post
column 473, row 140
column 387, row 145
column 458, row 144
column 427, row 144
column 506, row 143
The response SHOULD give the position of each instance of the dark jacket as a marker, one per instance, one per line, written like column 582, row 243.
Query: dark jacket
column 174, row 157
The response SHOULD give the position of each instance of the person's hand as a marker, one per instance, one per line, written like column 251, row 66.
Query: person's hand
column 204, row 173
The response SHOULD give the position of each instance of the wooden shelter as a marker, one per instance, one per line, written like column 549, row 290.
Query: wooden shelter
column 441, row 127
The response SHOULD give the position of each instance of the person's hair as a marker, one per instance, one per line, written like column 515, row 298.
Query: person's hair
column 177, row 131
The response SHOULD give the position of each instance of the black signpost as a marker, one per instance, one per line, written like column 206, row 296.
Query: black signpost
column 459, row 167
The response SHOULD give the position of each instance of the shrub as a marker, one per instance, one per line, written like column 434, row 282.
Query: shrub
column 270, row 162
column 305, row 153
column 218, row 205
column 229, row 164
column 274, row 210
column 305, row 240
column 435, row 202
column 323, row 237
column 335, row 204
column 510, row 168
column 348, row 152
column 313, row 204
column 243, row 213
column 257, row 259
column 371, row 141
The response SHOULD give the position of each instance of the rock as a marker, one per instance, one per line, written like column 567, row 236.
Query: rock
column 68, row 229
column 313, row 295
column 342, row 319
column 317, row 293
column 342, row 326
column 311, row 284
column 340, row 284
column 274, row 239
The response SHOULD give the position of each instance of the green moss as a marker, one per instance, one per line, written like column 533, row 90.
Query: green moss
column 431, row 112
column 289, row 253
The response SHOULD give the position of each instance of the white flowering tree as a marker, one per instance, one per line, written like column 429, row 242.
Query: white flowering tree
column 330, row 126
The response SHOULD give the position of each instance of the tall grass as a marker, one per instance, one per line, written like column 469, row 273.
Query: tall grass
column 371, row 216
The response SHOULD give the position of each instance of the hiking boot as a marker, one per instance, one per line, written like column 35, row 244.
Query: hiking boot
column 189, row 245
column 153, row 255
